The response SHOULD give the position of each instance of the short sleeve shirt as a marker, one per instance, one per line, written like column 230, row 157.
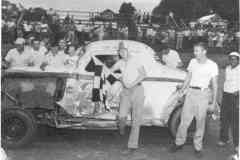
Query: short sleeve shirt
column 172, row 59
column 71, row 62
column 232, row 79
column 38, row 57
column 17, row 59
column 202, row 73
column 56, row 62
column 130, row 72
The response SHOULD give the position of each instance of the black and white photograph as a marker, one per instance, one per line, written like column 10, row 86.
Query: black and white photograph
column 120, row 79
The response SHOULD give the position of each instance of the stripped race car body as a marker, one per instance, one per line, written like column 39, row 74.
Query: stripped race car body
column 89, row 96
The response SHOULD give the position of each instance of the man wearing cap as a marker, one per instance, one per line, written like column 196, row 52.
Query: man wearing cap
column 132, row 96
column 229, row 116
column 201, row 73
column 18, row 57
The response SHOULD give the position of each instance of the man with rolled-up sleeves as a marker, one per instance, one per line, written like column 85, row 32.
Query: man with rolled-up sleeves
column 132, row 97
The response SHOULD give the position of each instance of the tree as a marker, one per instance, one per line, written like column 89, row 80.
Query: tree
column 193, row 9
column 126, row 14
column 35, row 14
column 126, row 18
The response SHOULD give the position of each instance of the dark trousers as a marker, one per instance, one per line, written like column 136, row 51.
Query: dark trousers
column 229, row 118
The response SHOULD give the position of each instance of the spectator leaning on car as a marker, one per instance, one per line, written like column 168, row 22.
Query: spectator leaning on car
column 18, row 57
column 171, row 58
column 38, row 53
column 229, row 116
column 54, row 60
column 132, row 96
column 201, row 72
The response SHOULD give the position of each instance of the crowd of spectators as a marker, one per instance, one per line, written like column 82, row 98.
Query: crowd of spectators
column 51, row 28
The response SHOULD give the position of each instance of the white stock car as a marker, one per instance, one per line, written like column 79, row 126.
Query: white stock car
column 66, row 99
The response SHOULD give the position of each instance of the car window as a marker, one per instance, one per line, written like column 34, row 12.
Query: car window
column 32, row 92
column 108, row 60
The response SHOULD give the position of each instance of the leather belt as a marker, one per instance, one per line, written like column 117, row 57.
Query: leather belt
column 195, row 87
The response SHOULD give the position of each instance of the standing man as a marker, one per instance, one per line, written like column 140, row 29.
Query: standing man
column 201, row 73
column 229, row 116
column 132, row 96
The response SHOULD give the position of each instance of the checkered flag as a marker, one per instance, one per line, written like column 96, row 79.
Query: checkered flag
column 103, row 78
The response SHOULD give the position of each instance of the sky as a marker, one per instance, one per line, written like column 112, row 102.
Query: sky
column 88, row 5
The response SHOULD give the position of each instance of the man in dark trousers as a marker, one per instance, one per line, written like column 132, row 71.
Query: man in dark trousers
column 229, row 116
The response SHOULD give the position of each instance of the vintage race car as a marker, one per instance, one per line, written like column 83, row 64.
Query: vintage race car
column 87, row 97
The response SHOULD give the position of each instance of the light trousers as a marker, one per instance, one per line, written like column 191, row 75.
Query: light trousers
column 132, row 100
column 195, row 106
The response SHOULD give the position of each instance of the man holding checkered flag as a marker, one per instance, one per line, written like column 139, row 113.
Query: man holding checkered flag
column 132, row 95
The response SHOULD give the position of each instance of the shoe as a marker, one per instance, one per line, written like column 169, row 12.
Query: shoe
column 129, row 151
column 174, row 148
column 198, row 153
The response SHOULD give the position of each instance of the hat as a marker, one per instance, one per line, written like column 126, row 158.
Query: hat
column 19, row 41
column 235, row 54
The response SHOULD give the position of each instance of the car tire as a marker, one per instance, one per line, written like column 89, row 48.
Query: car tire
column 18, row 127
column 174, row 123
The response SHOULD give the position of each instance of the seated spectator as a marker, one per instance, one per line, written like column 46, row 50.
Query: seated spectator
column 72, row 58
column 29, row 43
column 54, row 60
column 62, row 46
column 38, row 53
column 171, row 58
column 27, row 27
column 220, row 39
column 18, row 57
column 45, row 44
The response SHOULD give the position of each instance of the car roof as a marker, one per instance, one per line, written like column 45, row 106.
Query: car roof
column 110, row 47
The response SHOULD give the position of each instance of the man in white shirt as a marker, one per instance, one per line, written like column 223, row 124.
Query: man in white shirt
column 229, row 116
column 202, row 72
column 171, row 57
column 62, row 46
column 38, row 53
column 132, row 96
column 54, row 60
column 18, row 57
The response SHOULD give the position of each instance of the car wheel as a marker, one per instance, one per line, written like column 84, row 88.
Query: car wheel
column 174, row 123
column 18, row 127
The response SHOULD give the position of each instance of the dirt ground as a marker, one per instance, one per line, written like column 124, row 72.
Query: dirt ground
column 52, row 144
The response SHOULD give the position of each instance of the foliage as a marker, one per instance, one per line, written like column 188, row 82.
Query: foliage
column 34, row 14
column 193, row 9
column 126, row 13
column 126, row 18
